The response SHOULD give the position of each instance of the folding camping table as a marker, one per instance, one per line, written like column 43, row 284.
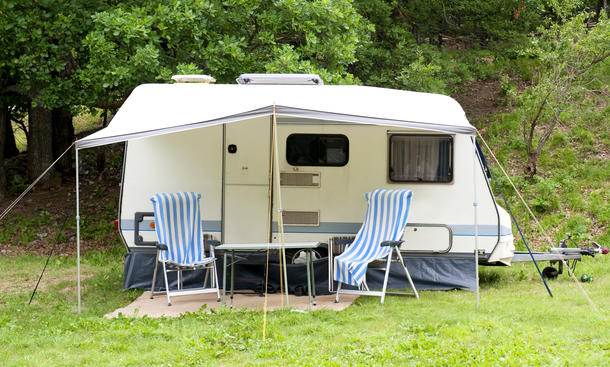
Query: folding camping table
column 257, row 247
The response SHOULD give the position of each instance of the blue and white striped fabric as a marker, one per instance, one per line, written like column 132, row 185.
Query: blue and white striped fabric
column 178, row 225
column 386, row 218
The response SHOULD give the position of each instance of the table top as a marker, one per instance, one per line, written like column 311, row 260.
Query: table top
column 264, row 246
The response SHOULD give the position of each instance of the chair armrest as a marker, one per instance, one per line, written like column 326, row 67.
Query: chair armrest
column 161, row 246
column 391, row 243
column 212, row 243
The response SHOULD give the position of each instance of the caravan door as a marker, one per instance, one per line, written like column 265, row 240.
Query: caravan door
column 246, row 181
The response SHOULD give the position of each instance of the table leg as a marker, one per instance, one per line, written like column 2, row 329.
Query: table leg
column 313, row 277
column 224, row 279
column 283, row 254
column 232, row 274
column 308, row 261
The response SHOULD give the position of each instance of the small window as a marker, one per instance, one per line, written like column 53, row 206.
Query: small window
column 421, row 158
column 317, row 150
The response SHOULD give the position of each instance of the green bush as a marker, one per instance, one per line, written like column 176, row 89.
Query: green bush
column 508, row 90
column 18, row 184
column 545, row 195
column 599, row 205
column 578, row 226
column 100, row 225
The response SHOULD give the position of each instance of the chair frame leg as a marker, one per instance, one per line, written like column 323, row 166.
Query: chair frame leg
column 364, row 285
column 205, row 278
column 169, row 301
column 387, row 275
column 154, row 279
column 216, row 282
column 338, row 291
column 402, row 262
column 364, row 289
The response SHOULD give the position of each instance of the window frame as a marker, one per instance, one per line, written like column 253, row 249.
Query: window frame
column 343, row 136
column 451, row 158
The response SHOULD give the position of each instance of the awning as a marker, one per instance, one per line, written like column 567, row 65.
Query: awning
column 157, row 109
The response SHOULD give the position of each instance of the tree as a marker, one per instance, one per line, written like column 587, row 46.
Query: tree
column 573, row 76
column 55, row 55
column 4, row 121
column 479, row 21
column 147, row 42
column 8, row 147
column 40, row 58
column 408, row 47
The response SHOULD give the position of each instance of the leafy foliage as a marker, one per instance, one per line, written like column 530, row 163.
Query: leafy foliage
column 478, row 21
column 143, row 42
column 407, row 50
column 41, row 49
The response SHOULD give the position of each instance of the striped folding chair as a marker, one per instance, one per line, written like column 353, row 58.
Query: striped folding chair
column 180, row 242
column 378, row 238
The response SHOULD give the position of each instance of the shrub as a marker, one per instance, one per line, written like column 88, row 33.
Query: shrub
column 545, row 199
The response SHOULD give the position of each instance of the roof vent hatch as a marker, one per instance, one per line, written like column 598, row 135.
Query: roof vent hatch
column 194, row 78
column 280, row 79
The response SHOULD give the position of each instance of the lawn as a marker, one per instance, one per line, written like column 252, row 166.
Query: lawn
column 516, row 324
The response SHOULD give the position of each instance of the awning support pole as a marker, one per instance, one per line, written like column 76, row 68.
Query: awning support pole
column 475, row 205
column 280, row 219
column 78, row 233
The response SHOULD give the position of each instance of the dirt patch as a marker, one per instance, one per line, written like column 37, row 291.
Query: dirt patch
column 42, row 248
column 157, row 307
column 480, row 99
column 21, row 281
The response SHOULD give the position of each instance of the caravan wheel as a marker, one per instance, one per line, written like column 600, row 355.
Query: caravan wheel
column 550, row 272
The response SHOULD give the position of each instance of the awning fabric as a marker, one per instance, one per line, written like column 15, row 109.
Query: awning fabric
column 157, row 109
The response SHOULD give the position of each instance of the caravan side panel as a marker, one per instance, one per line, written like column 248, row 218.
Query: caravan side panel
column 185, row 161
column 441, row 218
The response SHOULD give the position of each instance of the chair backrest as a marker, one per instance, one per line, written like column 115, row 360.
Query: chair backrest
column 386, row 218
column 178, row 225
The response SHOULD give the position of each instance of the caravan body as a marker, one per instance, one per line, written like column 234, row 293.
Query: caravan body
column 328, row 158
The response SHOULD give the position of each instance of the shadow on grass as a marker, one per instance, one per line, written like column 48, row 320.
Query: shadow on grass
column 499, row 276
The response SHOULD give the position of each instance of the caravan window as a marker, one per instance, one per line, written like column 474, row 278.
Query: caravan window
column 421, row 158
column 317, row 150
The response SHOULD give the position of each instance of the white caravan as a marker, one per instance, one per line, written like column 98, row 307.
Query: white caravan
column 334, row 144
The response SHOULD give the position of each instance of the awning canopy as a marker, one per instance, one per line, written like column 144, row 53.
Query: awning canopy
column 157, row 109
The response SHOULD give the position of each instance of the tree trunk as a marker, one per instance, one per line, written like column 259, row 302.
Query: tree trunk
column 532, row 162
column 63, row 137
column 40, row 144
column 4, row 120
column 10, row 147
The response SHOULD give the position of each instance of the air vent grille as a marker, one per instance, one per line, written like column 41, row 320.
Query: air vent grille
column 301, row 218
column 302, row 179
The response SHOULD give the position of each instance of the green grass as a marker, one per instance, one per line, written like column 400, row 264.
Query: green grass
column 516, row 324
